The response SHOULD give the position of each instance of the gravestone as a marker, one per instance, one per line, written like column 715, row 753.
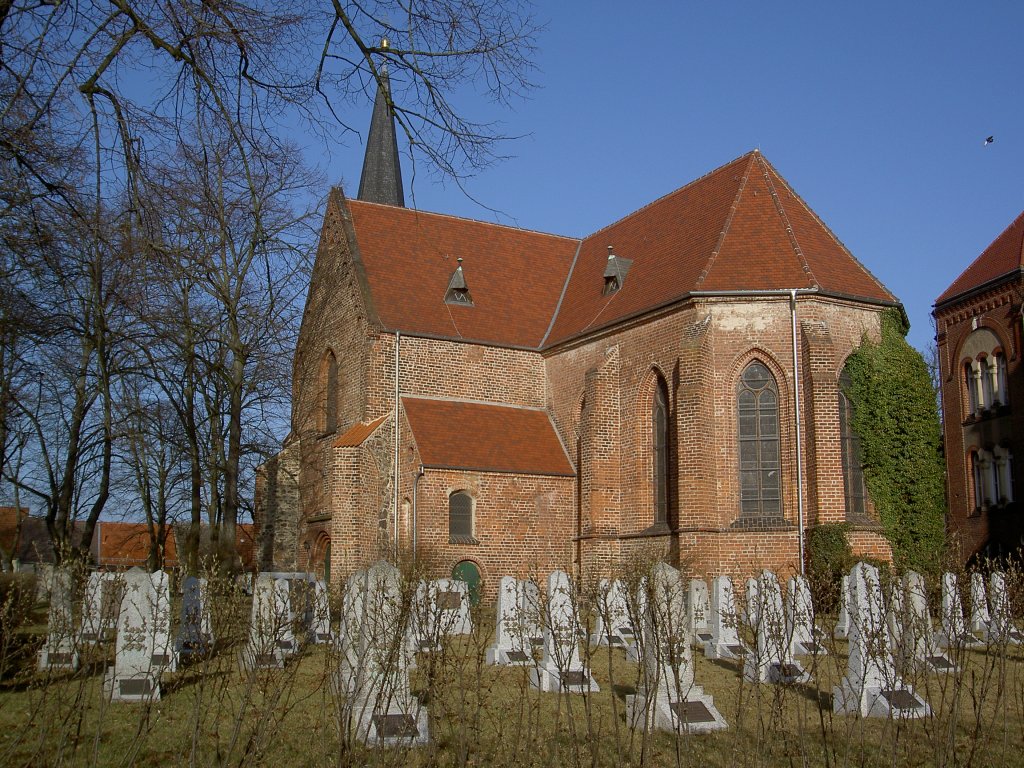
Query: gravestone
column 916, row 642
column 561, row 667
column 533, row 611
column 61, row 648
column 980, row 617
column 101, row 603
column 377, row 699
column 871, row 687
column 320, row 626
column 195, row 632
column 512, row 644
column 440, row 610
column 698, row 608
column 895, row 619
column 271, row 639
column 44, row 581
column 1001, row 626
column 842, row 629
column 637, row 608
column 800, row 618
column 952, row 629
column 144, row 649
column 725, row 639
column 612, row 626
column 750, row 603
column 668, row 698
column 771, row 660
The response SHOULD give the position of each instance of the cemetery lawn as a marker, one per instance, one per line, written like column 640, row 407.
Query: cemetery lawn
column 212, row 714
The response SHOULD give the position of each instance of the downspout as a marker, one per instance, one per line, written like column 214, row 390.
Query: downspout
column 415, row 494
column 398, row 428
column 799, row 444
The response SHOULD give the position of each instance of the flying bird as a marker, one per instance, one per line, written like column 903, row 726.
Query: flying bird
column 988, row 141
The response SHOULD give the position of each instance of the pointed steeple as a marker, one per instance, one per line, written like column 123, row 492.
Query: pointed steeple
column 381, row 180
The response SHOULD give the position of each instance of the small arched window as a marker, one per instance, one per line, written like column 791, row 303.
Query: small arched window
column 460, row 518
column 1001, row 386
column 986, row 374
column 855, row 490
column 971, row 384
column 659, row 430
column 757, row 398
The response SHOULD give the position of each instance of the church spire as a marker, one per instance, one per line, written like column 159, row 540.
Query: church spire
column 381, row 180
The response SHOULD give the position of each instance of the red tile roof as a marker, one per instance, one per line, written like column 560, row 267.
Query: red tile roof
column 127, row 544
column 455, row 434
column 740, row 227
column 1004, row 256
column 357, row 433
column 9, row 517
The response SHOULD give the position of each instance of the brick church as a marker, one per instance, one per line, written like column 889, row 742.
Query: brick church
column 978, row 333
column 490, row 400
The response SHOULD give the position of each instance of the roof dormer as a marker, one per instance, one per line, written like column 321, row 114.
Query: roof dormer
column 458, row 291
column 615, row 272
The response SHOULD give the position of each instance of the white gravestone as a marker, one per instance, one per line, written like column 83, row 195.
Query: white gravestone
column 195, row 631
column 440, row 610
column 952, row 629
column 980, row 617
column 871, row 687
column 270, row 632
column 532, row 609
column 800, row 617
column 61, row 648
column 637, row 608
column 1001, row 626
column 772, row 658
column 512, row 644
column 725, row 639
column 917, row 638
column 842, row 629
column 612, row 626
column 101, row 604
column 698, row 608
column 378, row 701
column 320, row 627
column 668, row 698
column 561, row 666
column 144, row 649
column 750, row 603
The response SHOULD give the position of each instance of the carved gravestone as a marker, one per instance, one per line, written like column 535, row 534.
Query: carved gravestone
column 101, row 603
column 916, row 644
column 270, row 631
column 195, row 632
column 1001, row 626
column 980, row 617
column 320, row 626
column 612, row 625
column 771, row 659
column 440, row 609
column 698, row 608
column 800, row 617
column 871, row 687
column 512, row 644
column 143, row 650
column 561, row 666
column 637, row 607
column 952, row 628
column 377, row 700
column 842, row 629
column 750, row 603
column 668, row 698
column 532, row 608
column 61, row 648
column 725, row 640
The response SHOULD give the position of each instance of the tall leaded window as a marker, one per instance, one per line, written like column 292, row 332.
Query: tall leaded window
column 853, row 468
column 757, row 398
column 659, row 430
column 971, row 383
column 986, row 375
column 1002, row 393
column 978, row 478
column 460, row 517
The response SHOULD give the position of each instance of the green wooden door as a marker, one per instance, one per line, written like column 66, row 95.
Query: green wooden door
column 468, row 572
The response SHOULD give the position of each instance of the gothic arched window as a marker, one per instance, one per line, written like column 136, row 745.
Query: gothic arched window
column 854, row 488
column 757, row 399
column 659, row 435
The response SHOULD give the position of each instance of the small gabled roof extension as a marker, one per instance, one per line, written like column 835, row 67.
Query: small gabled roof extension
column 486, row 437
column 1003, row 257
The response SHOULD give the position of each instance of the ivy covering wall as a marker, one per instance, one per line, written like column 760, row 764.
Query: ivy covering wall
column 896, row 416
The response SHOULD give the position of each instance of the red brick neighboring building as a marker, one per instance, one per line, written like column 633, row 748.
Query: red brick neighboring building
column 978, row 331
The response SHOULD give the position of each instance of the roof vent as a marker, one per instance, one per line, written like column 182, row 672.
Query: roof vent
column 458, row 291
column 615, row 272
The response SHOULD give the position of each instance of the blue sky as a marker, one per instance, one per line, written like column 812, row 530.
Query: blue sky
column 875, row 113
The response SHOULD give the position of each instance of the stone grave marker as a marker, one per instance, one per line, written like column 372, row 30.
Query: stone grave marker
column 561, row 667
column 771, row 660
column 320, row 626
column 612, row 625
column 533, row 611
column 916, row 642
column 800, row 618
column 980, row 617
column 61, row 648
column 144, row 649
column 750, row 603
column 101, row 603
column 1001, row 626
column 725, row 640
column 637, row 608
column 871, row 687
column 440, row 610
column 512, row 644
column 698, row 609
column 195, row 631
column 952, row 629
column 668, row 698
column 271, row 639
column 375, row 666
column 842, row 628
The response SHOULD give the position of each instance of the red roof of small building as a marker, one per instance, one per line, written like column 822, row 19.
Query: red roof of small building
column 739, row 228
column 357, row 433
column 9, row 518
column 1004, row 256
column 456, row 434
column 123, row 545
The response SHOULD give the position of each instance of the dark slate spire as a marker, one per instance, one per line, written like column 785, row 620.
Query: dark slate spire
column 381, row 181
